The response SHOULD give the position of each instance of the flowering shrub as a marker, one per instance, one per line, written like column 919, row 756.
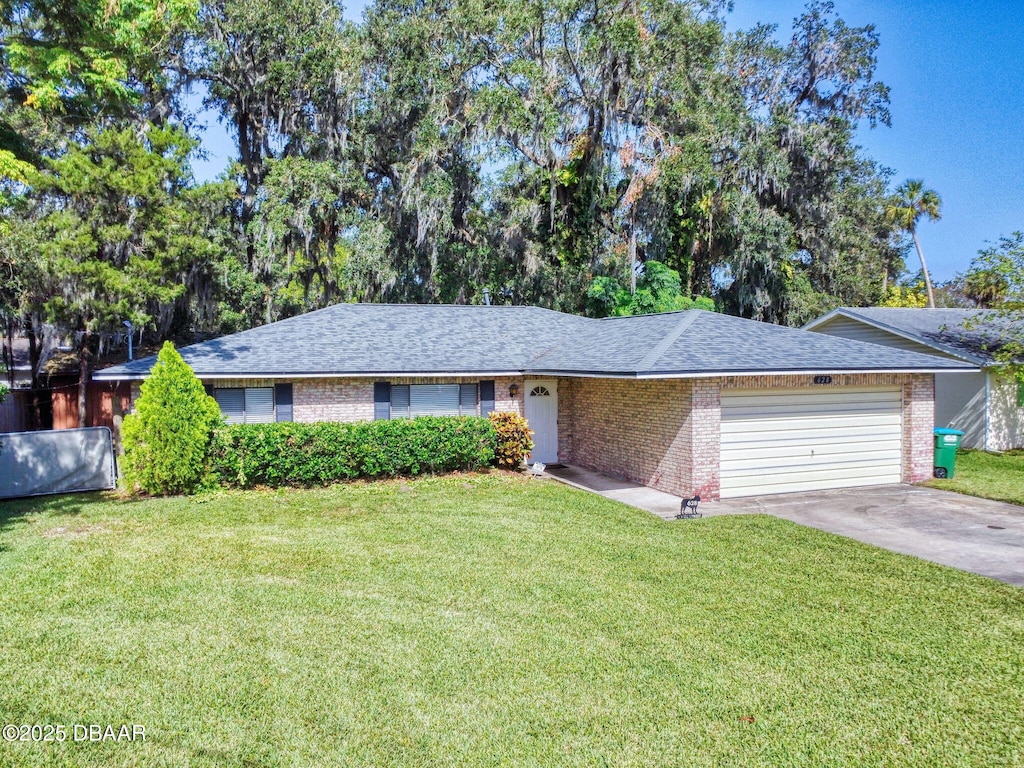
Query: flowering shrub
column 514, row 439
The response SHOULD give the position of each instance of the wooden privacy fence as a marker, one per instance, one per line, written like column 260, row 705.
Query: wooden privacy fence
column 105, row 403
column 14, row 411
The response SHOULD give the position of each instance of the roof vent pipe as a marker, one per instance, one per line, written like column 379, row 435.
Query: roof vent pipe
column 487, row 296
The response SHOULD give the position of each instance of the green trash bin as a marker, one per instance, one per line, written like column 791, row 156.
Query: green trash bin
column 946, row 443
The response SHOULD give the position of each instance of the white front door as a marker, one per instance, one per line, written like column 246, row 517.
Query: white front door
column 542, row 414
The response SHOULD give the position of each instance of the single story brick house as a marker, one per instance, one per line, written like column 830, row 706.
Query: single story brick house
column 987, row 405
column 687, row 402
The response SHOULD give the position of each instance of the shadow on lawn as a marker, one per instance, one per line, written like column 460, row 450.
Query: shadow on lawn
column 14, row 511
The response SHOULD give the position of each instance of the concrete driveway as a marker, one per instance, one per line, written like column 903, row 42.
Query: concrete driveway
column 965, row 532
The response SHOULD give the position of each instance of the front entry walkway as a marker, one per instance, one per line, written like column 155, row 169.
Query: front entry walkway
column 635, row 495
column 965, row 532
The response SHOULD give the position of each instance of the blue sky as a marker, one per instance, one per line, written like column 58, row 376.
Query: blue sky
column 956, row 74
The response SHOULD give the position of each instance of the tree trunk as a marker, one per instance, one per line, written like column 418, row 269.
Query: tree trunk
column 83, row 378
column 250, row 156
column 632, row 253
column 35, row 418
column 924, row 269
column 118, row 417
column 8, row 352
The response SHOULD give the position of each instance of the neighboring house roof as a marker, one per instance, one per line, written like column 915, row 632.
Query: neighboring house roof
column 428, row 339
column 974, row 335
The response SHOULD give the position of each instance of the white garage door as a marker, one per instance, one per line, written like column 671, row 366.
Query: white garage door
column 785, row 440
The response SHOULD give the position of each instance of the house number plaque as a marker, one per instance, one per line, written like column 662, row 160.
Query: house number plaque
column 822, row 379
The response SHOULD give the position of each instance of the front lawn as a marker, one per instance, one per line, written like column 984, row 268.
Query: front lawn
column 491, row 620
column 998, row 476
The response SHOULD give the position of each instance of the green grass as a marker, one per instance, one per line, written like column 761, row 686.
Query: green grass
column 998, row 476
column 491, row 620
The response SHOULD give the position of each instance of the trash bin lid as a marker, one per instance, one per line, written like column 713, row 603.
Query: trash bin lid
column 946, row 431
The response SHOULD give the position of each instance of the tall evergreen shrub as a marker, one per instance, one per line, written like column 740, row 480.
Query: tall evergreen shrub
column 167, row 437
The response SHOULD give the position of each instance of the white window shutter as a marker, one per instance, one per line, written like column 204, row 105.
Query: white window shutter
column 232, row 404
column 434, row 399
column 400, row 401
column 259, row 405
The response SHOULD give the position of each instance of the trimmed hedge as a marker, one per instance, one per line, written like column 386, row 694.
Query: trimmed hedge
column 290, row 453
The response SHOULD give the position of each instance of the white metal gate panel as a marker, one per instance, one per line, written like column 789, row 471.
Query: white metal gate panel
column 786, row 440
column 56, row 461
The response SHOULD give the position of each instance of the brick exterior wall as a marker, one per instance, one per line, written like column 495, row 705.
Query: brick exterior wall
column 352, row 399
column 706, row 438
column 568, row 393
column 639, row 430
column 503, row 401
column 838, row 380
column 918, row 426
column 332, row 400
column 667, row 433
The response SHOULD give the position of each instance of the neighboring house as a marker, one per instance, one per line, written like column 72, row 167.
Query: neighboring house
column 987, row 405
column 18, row 368
column 56, row 400
column 687, row 402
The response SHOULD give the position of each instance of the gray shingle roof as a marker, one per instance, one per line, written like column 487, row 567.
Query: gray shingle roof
column 970, row 334
column 697, row 342
column 379, row 339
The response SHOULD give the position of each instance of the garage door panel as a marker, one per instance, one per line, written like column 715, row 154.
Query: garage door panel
column 756, row 411
column 810, row 418
column 776, row 441
column 807, row 441
column 740, row 476
column 882, row 423
column 810, row 398
column 757, row 458
column 815, row 477
column 796, row 485
column 810, row 437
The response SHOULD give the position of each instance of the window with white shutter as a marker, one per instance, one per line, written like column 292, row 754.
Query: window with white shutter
column 249, row 405
column 434, row 400
column 259, row 405
column 410, row 400
column 232, row 404
column 400, row 401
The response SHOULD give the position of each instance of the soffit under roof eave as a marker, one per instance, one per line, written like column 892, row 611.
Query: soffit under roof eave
column 741, row 372
column 102, row 376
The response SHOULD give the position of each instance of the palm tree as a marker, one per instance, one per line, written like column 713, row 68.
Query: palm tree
column 910, row 203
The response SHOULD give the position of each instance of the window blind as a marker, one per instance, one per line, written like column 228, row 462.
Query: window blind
column 259, row 405
column 232, row 404
column 434, row 400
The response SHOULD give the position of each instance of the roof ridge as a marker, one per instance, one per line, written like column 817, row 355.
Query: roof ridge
column 654, row 314
column 670, row 338
column 921, row 309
